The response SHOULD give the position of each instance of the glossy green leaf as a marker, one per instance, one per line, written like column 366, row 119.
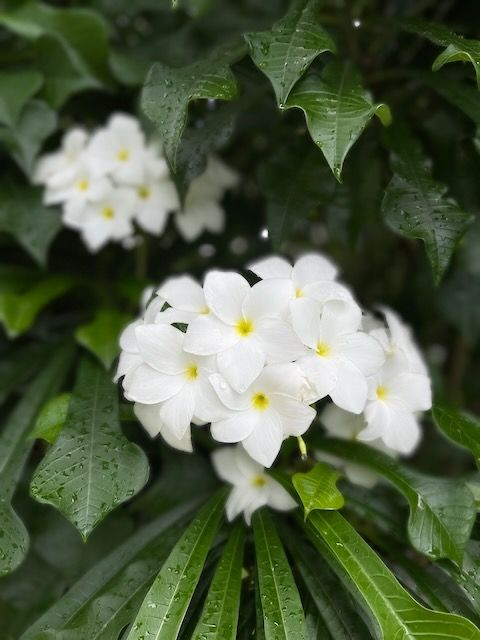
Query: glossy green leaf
column 286, row 52
column 164, row 608
column 459, row 303
column 462, row 428
column 316, row 628
column 318, row 488
column 337, row 109
column 442, row 511
column 415, row 205
column 92, row 468
column 458, row 48
column 27, row 220
column 468, row 575
column 101, row 335
column 460, row 94
column 168, row 91
column 51, row 418
column 394, row 612
column 16, row 88
column 219, row 617
column 14, row 451
column 283, row 615
column 107, row 597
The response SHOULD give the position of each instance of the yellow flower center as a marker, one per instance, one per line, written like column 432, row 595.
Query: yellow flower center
column 298, row 293
column 244, row 327
column 323, row 350
column 382, row 392
column 83, row 185
column 143, row 192
column 108, row 213
column 123, row 155
column 205, row 311
column 259, row 480
column 260, row 401
column 191, row 372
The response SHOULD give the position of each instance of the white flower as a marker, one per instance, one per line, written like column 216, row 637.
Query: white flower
column 60, row 164
column 149, row 416
column 109, row 218
column 341, row 357
column 185, row 296
column 244, row 327
column 156, row 196
column 269, row 411
column 171, row 378
column 119, row 150
column 346, row 426
column 202, row 211
column 252, row 487
column 77, row 186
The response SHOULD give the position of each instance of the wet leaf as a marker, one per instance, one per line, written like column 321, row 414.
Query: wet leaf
column 318, row 488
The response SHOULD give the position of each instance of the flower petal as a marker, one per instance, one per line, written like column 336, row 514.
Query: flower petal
column 363, row 351
column 242, row 363
column 229, row 398
column 279, row 341
column 296, row 417
column 306, row 315
column 224, row 462
column 177, row 412
column 279, row 498
column 161, row 346
column 149, row 416
column 350, row 392
column 207, row 335
column 321, row 373
column 225, row 292
column 268, row 299
column 183, row 293
column 414, row 389
column 265, row 440
column 273, row 267
column 148, row 386
column 311, row 268
column 235, row 428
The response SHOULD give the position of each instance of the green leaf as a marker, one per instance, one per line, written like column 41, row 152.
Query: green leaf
column 337, row 109
column 162, row 612
column 92, row 467
column 459, row 303
column 396, row 614
column 282, row 610
column 286, row 52
column 461, row 428
column 318, row 488
column 101, row 335
column 16, row 88
column 219, row 618
column 23, row 215
column 468, row 575
column 168, row 91
column 14, row 451
column 24, row 141
column 442, row 511
column 108, row 596
column 20, row 308
column 458, row 48
column 81, row 32
column 415, row 205
column 460, row 95
column 51, row 418
column 295, row 184
column 19, row 364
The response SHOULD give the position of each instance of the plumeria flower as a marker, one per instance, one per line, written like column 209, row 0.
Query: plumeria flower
column 244, row 328
column 266, row 413
column 149, row 416
column 185, row 296
column 156, row 197
column 99, row 221
column 77, row 186
column 119, row 150
column 172, row 377
column 340, row 356
column 395, row 396
column 60, row 164
column 252, row 487
column 346, row 426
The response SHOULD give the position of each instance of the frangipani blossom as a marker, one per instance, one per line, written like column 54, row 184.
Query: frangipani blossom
column 245, row 327
column 61, row 164
column 149, row 416
column 171, row 378
column 266, row 413
column 77, row 186
column 186, row 296
column 154, row 200
column 252, row 487
column 341, row 357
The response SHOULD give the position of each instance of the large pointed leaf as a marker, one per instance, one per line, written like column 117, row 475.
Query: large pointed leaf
column 286, row 52
column 394, row 612
column 51, row 418
column 92, row 467
column 164, row 608
column 458, row 48
column 318, row 488
column 14, row 450
column 168, row 91
column 462, row 428
column 100, row 336
column 415, row 205
column 283, row 615
column 442, row 511
column 337, row 109
column 219, row 618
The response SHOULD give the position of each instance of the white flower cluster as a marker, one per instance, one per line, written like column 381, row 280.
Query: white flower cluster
column 111, row 179
column 251, row 360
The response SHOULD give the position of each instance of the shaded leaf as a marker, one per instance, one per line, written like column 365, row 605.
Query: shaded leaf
column 283, row 615
column 92, row 467
column 459, row 303
column 286, row 52
column 164, row 608
column 16, row 88
column 19, row 364
column 337, row 109
column 51, row 418
column 462, row 428
column 318, row 488
column 459, row 94
column 415, row 205
column 101, row 336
